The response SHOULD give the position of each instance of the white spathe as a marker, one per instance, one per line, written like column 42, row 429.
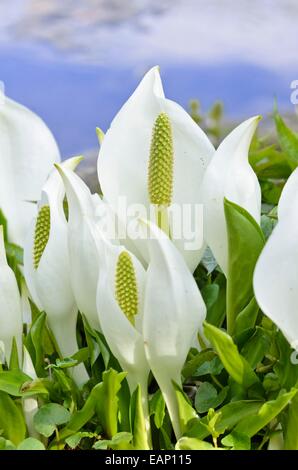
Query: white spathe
column 85, row 212
column 125, row 150
column 276, row 273
column 27, row 153
column 174, row 312
column 229, row 175
column 30, row 404
column 49, row 284
column 124, row 339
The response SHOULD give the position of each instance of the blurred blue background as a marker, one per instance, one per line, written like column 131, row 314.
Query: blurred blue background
column 76, row 62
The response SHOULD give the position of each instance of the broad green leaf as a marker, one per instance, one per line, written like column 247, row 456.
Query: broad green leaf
column 256, row 347
column 141, row 439
column 287, row 139
column 271, row 190
column 11, row 382
column 245, row 242
column 157, row 408
column 237, row 441
column 5, row 444
column 234, row 363
column 186, row 411
column 190, row 443
column 213, row 367
column 11, row 419
column 270, row 163
column 196, row 361
column 286, row 370
column 31, row 444
column 121, row 440
column 291, row 425
column 269, row 410
column 210, row 294
column 217, row 310
column 74, row 440
column 85, row 414
column 246, row 319
column 230, row 415
column 49, row 417
column 207, row 397
column 107, row 406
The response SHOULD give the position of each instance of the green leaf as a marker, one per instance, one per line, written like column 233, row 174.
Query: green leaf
column 291, row 425
column 234, row 363
column 31, row 444
column 256, row 347
column 11, row 419
column 14, row 357
column 269, row 410
column 96, row 344
column 48, row 417
column 190, row 443
column 185, row 409
column 230, row 415
column 15, row 252
column 74, row 440
column 270, row 163
column 197, row 361
column 286, row 371
column 246, row 319
column 213, row 367
column 157, row 408
column 3, row 222
column 287, row 139
column 5, row 444
column 267, row 225
column 245, row 243
column 216, row 310
column 11, row 382
column 81, row 417
column 271, row 190
column 121, row 440
column 207, row 397
column 210, row 294
column 35, row 340
column 237, row 441
column 107, row 406
column 138, row 423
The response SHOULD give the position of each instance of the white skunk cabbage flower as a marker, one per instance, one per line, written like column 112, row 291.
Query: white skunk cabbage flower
column 155, row 155
column 229, row 175
column 47, row 267
column 30, row 404
column 276, row 274
column 120, row 304
column 174, row 312
column 11, row 323
column 85, row 211
column 27, row 153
